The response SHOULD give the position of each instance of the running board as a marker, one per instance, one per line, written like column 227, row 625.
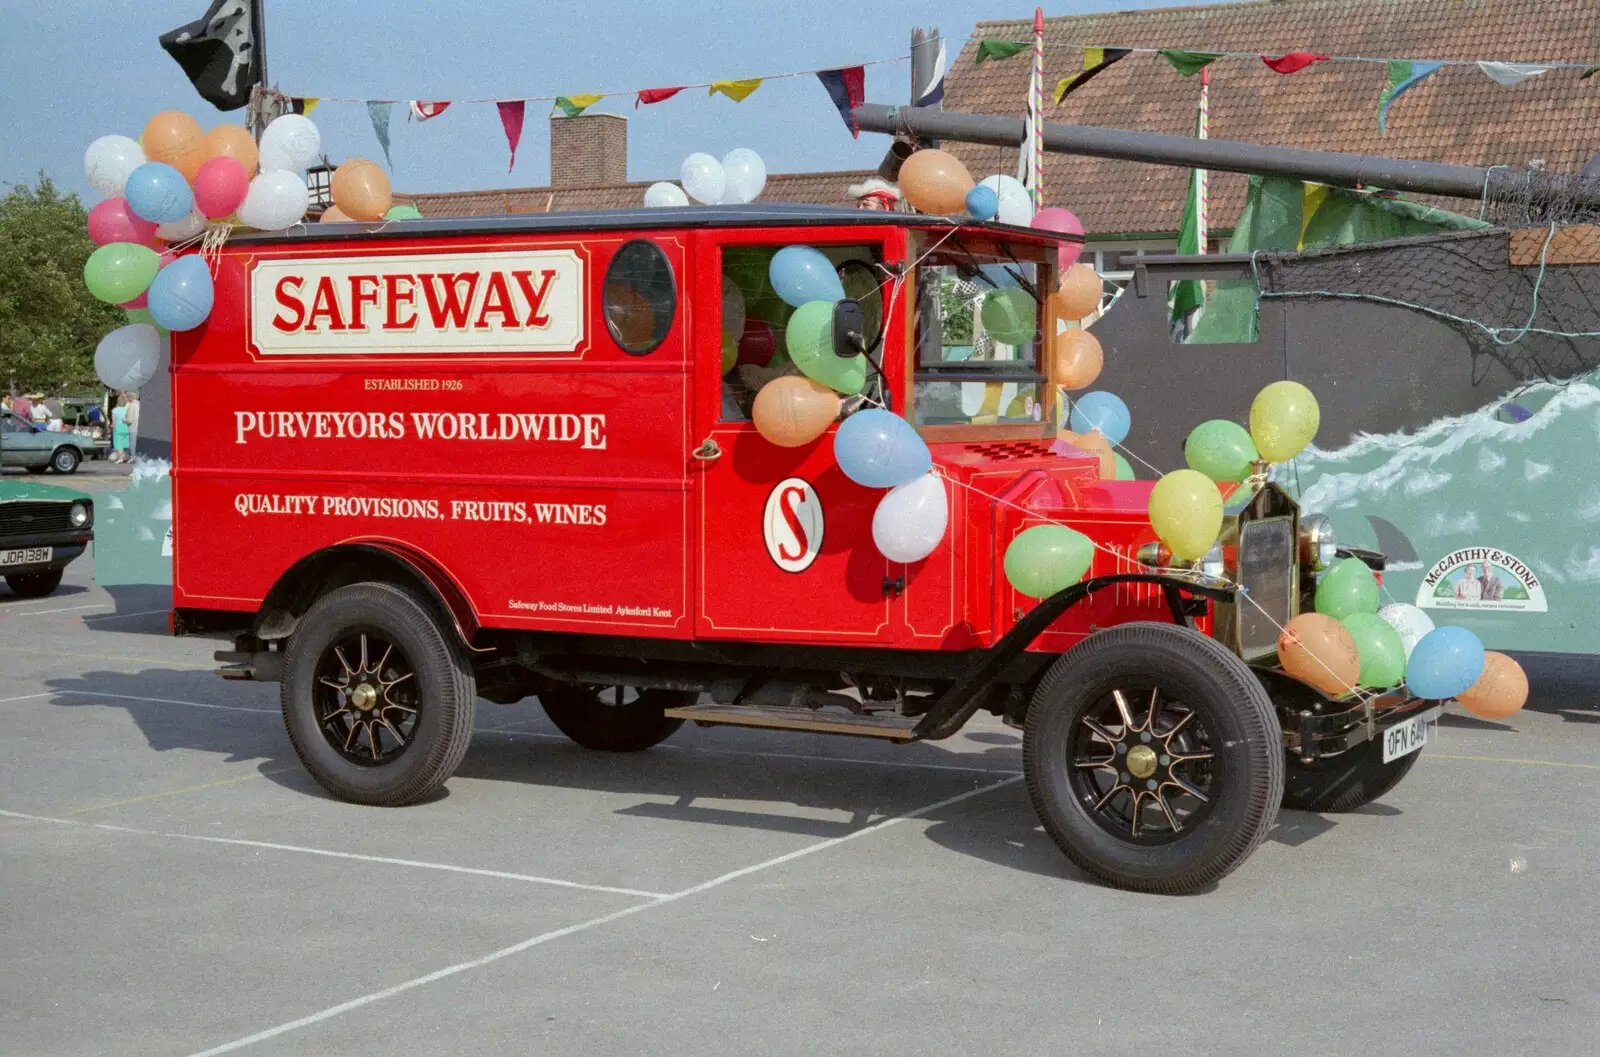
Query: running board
column 891, row 726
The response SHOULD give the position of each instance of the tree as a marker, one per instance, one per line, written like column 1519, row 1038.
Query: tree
column 49, row 322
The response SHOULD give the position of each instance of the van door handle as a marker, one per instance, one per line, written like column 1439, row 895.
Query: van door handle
column 708, row 451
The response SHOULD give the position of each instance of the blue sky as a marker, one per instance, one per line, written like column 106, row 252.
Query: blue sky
column 72, row 70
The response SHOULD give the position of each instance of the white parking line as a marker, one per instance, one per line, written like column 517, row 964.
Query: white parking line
column 173, row 701
column 25, row 697
column 582, row 926
column 9, row 612
column 125, row 616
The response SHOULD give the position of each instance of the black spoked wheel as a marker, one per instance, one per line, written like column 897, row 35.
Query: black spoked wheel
column 367, row 702
column 1141, row 764
column 614, row 718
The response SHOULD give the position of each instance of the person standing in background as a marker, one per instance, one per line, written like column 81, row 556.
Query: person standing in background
column 22, row 408
column 133, row 423
column 119, row 431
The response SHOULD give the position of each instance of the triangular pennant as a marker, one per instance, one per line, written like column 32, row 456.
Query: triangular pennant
column 379, row 113
column 422, row 111
column 573, row 105
column 1403, row 75
column 655, row 95
column 1094, row 60
column 1189, row 63
column 999, row 49
column 1590, row 72
column 303, row 104
column 1512, row 73
column 847, row 88
column 1293, row 62
column 738, row 91
column 511, row 115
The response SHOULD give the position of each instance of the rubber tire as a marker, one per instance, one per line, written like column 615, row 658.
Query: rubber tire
column 1245, row 734
column 65, row 460
column 1344, row 782
column 579, row 713
column 443, row 674
column 34, row 585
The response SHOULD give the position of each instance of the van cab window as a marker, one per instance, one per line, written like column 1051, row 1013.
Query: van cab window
column 640, row 297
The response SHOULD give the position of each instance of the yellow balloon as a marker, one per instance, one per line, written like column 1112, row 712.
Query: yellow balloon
column 1186, row 512
column 1283, row 419
column 730, row 352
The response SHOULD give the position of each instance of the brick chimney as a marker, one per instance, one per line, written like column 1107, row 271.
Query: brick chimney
column 588, row 150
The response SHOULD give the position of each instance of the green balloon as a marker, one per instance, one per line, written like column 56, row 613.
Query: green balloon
column 1382, row 652
column 1221, row 450
column 118, row 272
column 1347, row 589
column 1047, row 558
column 403, row 212
column 1124, row 468
column 1009, row 315
column 809, row 340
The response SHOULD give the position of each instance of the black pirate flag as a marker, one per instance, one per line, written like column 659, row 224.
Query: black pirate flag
column 219, row 53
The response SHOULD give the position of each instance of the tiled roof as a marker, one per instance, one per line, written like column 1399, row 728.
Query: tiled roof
column 824, row 188
column 1457, row 115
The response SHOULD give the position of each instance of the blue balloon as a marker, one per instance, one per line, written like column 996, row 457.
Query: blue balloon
column 182, row 293
column 1103, row 411
column 983, row 203
column 1445, row 663
column 800, row 274
column 879, row 449
column 158, row 193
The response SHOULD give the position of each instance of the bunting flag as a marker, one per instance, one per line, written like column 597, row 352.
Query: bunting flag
column 999, row 49
column 654, row 95
column 931, row 93
column 573, row 105
column 511, row 115
column 1590, row 72
column 1190, row 294
column 1403, row 75
column 1094, row 60
column 379, row 113
column 218, row 53
column 303, row 104
column 1033, row 146
column 1189, row 63
column 1293, row 62
column 1513, row 73
column 423, row 111
column 847, row 88
column 738, row 91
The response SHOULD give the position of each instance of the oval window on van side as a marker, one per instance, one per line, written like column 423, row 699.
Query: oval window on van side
column 640, row 298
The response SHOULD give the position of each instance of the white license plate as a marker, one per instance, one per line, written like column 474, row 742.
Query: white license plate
column 24, row 556
column 1405, row 738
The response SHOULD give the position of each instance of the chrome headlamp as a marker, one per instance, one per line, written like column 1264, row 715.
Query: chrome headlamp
column 79, row 515
column 1317, row 546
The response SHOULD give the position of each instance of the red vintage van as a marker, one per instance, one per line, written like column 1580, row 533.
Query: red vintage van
column 417, row 464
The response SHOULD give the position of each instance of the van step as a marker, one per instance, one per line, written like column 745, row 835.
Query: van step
column 817, row 721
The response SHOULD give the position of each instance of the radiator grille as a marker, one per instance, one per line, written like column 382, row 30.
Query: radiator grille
column 1266, row 570
column 25, row 519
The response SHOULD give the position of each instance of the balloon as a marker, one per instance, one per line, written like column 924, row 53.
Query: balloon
column 745, row 173
column 1409, row 622
column 1045, row 559
column 911, row 519
column 1186, row 512
column 1124, row 468
column 983, row 203
column 1078, row 359
column 1382, row 654
column 175, row 138
column 109, row 161
column 185, row 227
column 1010, row 315
column 1077, row 294
column 1445, row 663
column 1097, row 444
column 801, row 274
column 361, row 190
column 142, row 302
column 1347, row 588
column 733, row 313
column 1015, row 205
column 232, row 141
column 935, row 181
column 333, row 215
column 1499, row 691
column 1064, row 222
column 730, row 352
column 809, row 339
column 1319, row 650
column 662, row 194
column 1102, row 411
column 276, row 199
column 118, row 272
column 757, row 343
column 291, row 143
column 158, row 192
column 1220, row 449
column 703, row 178
column 127, row 357
column 879, row 449
column 792, row 410
column 182, row 294
column 403, row 212
column 220, row 186
column 1283, row 419
column 113, row 221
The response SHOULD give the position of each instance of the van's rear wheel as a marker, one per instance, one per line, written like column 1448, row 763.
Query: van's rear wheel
column 1154, row 758
column 377, row 698
column 613, row 718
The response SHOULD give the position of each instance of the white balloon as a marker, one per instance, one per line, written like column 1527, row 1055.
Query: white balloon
column 1410, row 622
column 1016, row 205
column 127, row 357
column 733, row 310
column 291, row 143
column 662, row 194
column 911, row 519
column 275, row 200
column 746, row 173
column 702, row 177
column 109, row 160
column 182, row 228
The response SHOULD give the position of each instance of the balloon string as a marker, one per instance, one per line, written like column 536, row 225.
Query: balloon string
column 1136, row 458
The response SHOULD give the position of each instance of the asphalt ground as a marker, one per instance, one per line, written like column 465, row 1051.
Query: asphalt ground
column 172, row 883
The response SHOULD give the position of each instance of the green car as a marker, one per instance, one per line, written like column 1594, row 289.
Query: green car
column 23, row 443
column 42, row 528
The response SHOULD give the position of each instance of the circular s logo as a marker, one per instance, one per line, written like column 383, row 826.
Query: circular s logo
column 792, row 525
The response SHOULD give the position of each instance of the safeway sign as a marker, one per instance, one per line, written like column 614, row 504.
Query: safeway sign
column 531, row 301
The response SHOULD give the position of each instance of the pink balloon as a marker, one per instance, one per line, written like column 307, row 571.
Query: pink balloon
column 1057, row 219
column 113, row 221
column 220, row 186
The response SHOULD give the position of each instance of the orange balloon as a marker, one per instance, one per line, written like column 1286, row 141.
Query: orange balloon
column 1078, row 359
column 176, row 138
column 232, row 141
column 793, row 410
column 1317, row 649
column 1094, row 441
column 1499, row 691
column 333, row 215
column 361, row 190
column 1078, row 293
column 935, row 182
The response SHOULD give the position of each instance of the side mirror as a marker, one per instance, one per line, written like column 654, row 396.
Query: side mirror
column 849, row 329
